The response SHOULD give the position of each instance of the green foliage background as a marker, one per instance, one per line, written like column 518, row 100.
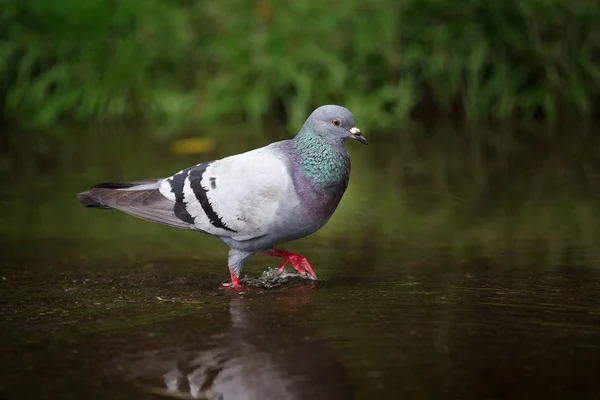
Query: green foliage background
column 183, row 62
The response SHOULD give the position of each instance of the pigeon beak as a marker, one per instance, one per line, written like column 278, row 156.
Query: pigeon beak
column 358, row 136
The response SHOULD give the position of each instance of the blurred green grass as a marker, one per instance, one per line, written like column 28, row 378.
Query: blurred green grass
column 179, row 63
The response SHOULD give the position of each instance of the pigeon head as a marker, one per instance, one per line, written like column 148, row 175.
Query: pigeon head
column 334, row 123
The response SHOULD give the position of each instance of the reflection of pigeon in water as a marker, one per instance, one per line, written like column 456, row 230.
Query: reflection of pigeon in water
column 251, row 201
column 258, row 357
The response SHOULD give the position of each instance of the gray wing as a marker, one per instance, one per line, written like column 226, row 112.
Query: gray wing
column 237, row 197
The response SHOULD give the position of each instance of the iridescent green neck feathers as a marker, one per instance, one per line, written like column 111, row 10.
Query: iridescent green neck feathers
column 322, row 161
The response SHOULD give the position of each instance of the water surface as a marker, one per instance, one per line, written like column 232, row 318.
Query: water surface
column 437, row 279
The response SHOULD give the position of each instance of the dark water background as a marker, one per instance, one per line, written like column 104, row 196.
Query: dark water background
column 462, row 263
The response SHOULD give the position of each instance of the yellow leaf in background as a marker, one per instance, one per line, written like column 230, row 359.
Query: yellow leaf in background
column 264, row 11
column 193, row 146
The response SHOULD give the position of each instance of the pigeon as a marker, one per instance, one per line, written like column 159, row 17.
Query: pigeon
column 251, row 201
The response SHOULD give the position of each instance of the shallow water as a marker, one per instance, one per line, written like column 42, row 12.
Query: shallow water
column 100, row 305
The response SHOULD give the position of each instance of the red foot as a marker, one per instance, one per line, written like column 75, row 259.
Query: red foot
column 298, row 262
column 235, row 281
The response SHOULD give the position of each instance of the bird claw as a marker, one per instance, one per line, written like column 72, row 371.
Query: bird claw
column 235, row 281
column 300, row 264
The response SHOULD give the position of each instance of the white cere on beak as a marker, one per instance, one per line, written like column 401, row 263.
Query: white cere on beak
column 355, row 131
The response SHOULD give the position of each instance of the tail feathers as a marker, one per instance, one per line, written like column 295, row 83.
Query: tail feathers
column 141, row 199
column 89, row 200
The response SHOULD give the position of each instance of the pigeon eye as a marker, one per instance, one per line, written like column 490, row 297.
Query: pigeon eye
column 336, row 122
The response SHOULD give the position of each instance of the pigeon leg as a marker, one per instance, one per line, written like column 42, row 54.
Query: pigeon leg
column 300, row 263
column 235, row 281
